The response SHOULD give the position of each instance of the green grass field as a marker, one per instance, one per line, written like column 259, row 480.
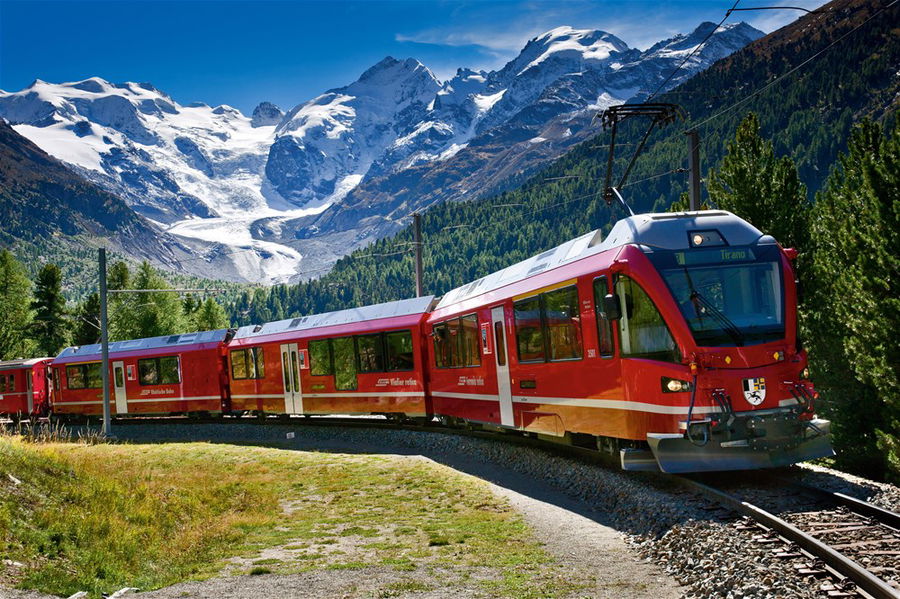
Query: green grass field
column 99, row 517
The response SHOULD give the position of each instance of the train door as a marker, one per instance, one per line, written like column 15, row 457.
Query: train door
column 290, row 368
column 502, row 361
column 119, row 387
column 29, row 390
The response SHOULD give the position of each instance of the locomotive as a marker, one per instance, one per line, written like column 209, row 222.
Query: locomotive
column 671, row 344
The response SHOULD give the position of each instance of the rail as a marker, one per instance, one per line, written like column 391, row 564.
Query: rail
column 865, row 580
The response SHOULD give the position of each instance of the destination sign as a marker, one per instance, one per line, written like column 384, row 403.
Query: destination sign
column 711, row 256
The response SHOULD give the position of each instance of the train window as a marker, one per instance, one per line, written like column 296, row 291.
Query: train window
column 344, row 363
column 248, row 363
column 529, row 330
column 320, row 358
column 456, row 343
column 285, row 370
column 443, row 346
column 159, row 371
column 239, row 364
column 75, row 377
column 2, row 383
column 469, row 349
column 500, row 343
column 604, row 326
column 370, row 352
column 119, row 376
column 642, row 330
column 562, row 320
column 399, row 348
column 84, row 376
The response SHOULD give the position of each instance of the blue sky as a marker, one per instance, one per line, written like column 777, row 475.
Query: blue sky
column 241, row 53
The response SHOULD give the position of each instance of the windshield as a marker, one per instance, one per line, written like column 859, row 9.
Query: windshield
column 731, row 296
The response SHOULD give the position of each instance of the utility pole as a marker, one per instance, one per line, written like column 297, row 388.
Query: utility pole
column 104, row 343
column 417, row 228
column 694, row 168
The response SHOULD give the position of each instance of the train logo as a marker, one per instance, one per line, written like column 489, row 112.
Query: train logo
column 755, row 391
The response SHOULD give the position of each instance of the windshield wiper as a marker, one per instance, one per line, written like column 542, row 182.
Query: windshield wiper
column 717, row 315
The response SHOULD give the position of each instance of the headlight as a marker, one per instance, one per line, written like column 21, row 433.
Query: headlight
column 674, row 385
column 804, row 374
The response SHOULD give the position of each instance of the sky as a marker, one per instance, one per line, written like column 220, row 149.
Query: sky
column 241, row 53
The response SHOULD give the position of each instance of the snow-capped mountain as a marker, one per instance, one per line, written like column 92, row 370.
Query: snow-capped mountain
column 298, row 190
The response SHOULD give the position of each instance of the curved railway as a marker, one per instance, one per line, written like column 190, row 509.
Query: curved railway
column 852, row 545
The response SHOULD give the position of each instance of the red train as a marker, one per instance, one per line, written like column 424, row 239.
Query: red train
column 25, row 387
column 671, row 343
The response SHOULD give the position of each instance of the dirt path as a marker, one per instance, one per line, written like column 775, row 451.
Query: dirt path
column 593, row 555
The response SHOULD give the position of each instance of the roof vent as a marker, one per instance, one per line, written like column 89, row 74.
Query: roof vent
column 257, row 328
column 537, row 268
column 545, row 255
column 173, row 339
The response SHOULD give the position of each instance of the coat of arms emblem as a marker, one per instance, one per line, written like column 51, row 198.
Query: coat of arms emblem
column 755, row 391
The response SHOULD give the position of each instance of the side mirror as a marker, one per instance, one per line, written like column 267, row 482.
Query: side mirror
column 612, row 309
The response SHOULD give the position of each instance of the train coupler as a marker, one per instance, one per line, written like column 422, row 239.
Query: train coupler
column 753, row 440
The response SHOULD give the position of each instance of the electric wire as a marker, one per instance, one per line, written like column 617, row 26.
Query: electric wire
column 794, row 69
column 694, row 51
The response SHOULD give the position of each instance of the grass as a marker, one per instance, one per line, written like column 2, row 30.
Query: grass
column 98, row 517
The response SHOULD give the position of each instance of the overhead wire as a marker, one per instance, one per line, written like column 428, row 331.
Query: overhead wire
column 794, row 69
column 694, row 51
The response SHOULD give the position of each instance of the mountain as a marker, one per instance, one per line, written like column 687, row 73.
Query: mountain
column 291, row 192
column 807, row 113
column 536, row 108
column 41, row 198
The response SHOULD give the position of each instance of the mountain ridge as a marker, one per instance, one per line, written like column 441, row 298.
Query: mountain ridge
column 296, row 189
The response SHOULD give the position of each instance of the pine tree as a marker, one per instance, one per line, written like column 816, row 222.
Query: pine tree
column 855, row 287
column 50, row 328
column 761, row 188
column 15, row 307
column 209, row 316
column 86, row 330
column 147, row 314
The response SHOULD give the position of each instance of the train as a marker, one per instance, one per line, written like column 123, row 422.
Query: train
column 670, row 344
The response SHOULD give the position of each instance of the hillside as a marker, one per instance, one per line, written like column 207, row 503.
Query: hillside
column 51, row 214
column 808, row 114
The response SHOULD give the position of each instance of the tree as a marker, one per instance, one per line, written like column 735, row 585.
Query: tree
column 761, row 188
column 50, row 328
column 139, row 315
column 86, row 329
column 210, row 316
column 855, row 286
column 15, row 306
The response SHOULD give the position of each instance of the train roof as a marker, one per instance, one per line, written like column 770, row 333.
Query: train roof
column 665, row 231
column 21, row 363
column 406, row 307
column 183, row 341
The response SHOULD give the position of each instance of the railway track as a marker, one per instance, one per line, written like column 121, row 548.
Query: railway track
column 851, row 546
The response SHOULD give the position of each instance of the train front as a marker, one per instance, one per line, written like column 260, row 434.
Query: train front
column 729, row 296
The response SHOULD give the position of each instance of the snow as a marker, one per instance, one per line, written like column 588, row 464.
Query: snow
column 563, row 39
column 485, row 103
column 60, row 143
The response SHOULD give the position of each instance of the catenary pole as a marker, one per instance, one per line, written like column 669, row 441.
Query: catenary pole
column 104, row 343
column 417, row 228
column 694, row 170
